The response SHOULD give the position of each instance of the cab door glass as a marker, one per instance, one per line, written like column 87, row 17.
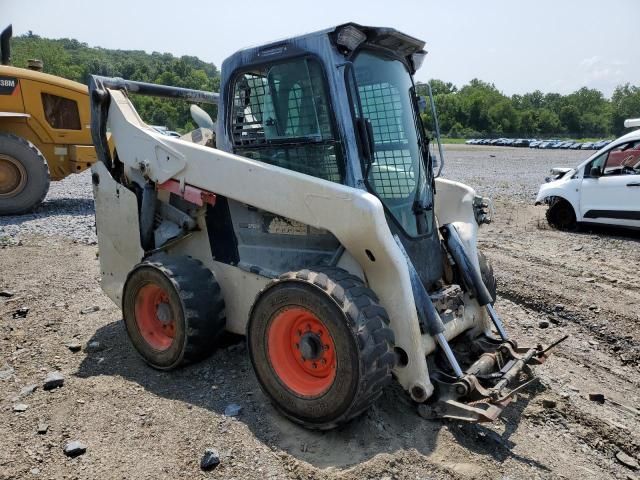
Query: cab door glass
column 61, row 113
column 623, row 160
column 281, row 116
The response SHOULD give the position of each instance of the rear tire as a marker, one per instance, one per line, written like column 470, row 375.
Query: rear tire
column 24, row 175
column 173, row 310
column 560, row 214
column 320, row 346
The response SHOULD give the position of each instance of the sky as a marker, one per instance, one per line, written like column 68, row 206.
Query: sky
column 520, row 46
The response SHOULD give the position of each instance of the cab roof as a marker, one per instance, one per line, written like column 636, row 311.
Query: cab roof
column 384, row 37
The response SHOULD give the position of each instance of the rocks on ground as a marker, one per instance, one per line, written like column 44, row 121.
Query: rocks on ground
column 53, row 380
column 6, row 372
column 74, row 346
column 597, row 397
column 232, row 410
column 627, row 460
column 74, row 448
column 210, row 459
column 21, row 312
column 88, row 310
column 27, row 390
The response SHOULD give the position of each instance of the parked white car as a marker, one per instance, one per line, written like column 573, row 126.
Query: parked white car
column 603, row 189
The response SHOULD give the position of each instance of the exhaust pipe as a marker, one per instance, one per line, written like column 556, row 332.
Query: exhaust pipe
column 5, row 47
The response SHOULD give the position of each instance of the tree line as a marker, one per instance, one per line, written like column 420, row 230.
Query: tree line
column 75, row 60
column 477, row 109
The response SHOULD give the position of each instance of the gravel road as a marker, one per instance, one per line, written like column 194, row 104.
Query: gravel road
column 505, row 172
column 67, row 211
column 139, row 423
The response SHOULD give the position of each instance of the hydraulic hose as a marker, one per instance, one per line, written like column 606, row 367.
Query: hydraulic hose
column 147, row 216
column 471, row 275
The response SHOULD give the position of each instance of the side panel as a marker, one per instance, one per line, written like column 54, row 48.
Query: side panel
column 454, row 204
column 10, row 94
column 276, row 244
column 120, row 247
column 239, row 288
column 611, row 200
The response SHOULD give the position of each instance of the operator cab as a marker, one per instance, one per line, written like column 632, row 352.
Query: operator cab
column 339, row 104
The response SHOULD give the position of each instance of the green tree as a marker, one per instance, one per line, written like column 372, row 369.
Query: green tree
column 625, row 103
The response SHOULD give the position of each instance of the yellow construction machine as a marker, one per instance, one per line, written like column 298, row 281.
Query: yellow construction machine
column 44, row 131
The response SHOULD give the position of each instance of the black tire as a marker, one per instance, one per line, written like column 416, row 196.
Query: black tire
column 195, row 307
column 488, row 277
column 359, row 330
column 560, row 214
column 23, row 163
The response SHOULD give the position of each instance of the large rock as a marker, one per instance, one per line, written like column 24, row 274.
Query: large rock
column 53, row 380
column 210, row 459
column 75, row 448
column 627, row 460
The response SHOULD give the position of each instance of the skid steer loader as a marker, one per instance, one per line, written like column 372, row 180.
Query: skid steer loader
column 316, row 227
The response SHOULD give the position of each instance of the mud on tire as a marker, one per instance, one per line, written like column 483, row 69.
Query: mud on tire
column 173, row 310
column 345, row 315
column 560, row 214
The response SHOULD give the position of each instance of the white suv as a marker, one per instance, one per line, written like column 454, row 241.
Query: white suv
column 603, row 189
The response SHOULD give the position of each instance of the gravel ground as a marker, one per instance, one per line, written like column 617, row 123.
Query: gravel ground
column 140, row 423
column 505, row 172
column 67, row 211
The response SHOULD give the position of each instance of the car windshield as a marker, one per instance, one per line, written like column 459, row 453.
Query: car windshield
column 397, row 174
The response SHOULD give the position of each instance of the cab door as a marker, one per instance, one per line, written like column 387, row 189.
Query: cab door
column 62, row 112
column 610, row 191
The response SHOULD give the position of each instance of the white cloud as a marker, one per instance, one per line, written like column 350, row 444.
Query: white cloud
column 602, row 74
column 591, row 61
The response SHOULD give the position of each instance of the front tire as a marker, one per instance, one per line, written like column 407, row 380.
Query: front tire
column 320, row 346
column 173, row 310
column 24, row 175
column 560, row 214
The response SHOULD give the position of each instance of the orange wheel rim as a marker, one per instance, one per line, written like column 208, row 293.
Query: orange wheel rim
column 301, row 352
column 155, row 317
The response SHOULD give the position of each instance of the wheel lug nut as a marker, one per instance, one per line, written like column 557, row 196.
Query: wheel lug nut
column 314, row 365
column 323, row 361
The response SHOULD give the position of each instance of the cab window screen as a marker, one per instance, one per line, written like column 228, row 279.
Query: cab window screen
column 61, row 113
column 281, row 116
